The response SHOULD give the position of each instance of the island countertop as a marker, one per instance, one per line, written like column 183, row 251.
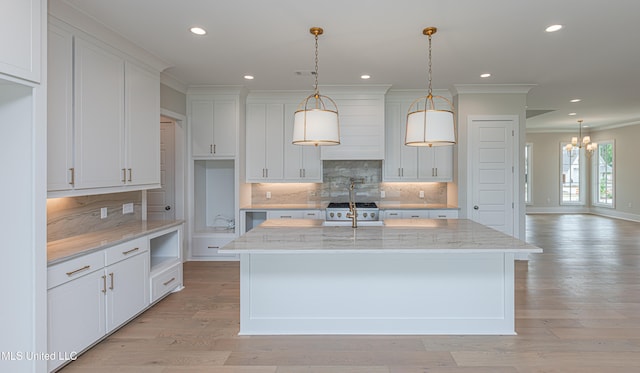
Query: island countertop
column 396, row 235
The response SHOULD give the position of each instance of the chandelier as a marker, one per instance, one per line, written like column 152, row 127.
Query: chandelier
column 580, row 141
column 427, row 125
column 315, row 122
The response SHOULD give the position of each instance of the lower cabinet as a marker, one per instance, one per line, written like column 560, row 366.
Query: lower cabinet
column 420, row 214
column 92, row 295
column 206, row 247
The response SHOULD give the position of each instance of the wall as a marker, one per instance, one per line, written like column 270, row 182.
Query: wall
column 67, row 217
column 545, row 168
column 336, row 180
column 495, row 100
column 173, row 100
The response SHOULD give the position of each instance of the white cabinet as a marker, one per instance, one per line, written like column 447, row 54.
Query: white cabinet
column 271, row 157
column 99, row 117
column 87, row 300
column 214, row 125
column 165, row 248
column 436, row 163
column 20, row 37
column 208, row 246
column 301, row 163
column 409, row 163
column 103, row 118
column 420, row 214
column 294, row 214
column 265, row 142
column 60, row 110
column 127, row 275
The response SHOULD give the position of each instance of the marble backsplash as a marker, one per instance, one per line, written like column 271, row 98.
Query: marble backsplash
column 335, row 188
column 72, row 216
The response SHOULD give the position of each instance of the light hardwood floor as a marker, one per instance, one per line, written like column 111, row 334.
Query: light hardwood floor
column 577, row 310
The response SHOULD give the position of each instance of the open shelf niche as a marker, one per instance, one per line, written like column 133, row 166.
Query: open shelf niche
column 214, row 196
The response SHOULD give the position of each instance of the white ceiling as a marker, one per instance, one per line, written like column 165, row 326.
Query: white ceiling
column 595, row 57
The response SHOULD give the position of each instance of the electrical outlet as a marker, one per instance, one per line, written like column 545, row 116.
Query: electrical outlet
column 268, row 195
column 421, row 194
column 382, row 194
column 103, row 213
column 127, row 208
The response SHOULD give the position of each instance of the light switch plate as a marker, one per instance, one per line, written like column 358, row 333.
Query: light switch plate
column 421, row 194
column 103, row 213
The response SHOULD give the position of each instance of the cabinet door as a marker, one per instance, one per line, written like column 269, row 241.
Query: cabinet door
column 142, row 125
column 60, row 110
column 76, row 314
column 127, row 289
column 301, row 163
column 20, row 37
column 202, row 128
column 436, row 163
column 99, row 116
column 401, row 161
column 265, row 138
column 224, row 127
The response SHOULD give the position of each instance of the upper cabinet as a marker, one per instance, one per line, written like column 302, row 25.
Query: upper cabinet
column 20, row 34
column 271, row 156
column 103, row 117
column 214, row 125
column 411, row 163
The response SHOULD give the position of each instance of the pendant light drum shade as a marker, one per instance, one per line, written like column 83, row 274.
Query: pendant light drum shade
column 315, row 124
column 429, row 127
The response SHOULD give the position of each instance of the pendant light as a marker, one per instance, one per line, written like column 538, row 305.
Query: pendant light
column 427, row 125
column 315, row 122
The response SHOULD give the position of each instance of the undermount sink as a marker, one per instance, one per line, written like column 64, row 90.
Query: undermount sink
column 347, row 223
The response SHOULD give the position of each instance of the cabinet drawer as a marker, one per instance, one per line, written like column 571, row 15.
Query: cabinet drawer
column 443, row 214
column 166, row 281
column 415, row 214
column 209, row 246
column 126, row 250
column 285, row 214
column 74, row 268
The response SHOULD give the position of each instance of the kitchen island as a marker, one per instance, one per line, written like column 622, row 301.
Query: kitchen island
column 408, row 276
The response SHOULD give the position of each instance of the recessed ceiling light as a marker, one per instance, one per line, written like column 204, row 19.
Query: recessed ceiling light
column 198, row 30
column 485, row 75
column 576, row 100
column 572, row 114
column 365, row 76
column 553, row 28
column 248, row 77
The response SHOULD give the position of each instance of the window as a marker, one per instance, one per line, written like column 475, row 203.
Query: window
column 527, row 172
column 604, row 183
column 571, row 176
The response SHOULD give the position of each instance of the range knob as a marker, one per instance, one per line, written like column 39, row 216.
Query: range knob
column 364, row 214
column 331, row 214
column 339, row 214
column 373, row 215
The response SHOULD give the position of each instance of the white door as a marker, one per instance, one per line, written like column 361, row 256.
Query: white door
column 161, row 202
column 492, row 174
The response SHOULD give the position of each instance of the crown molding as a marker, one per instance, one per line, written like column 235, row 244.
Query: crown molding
column 492, row 88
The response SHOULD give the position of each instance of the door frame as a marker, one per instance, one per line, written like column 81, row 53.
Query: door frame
column 518, row 221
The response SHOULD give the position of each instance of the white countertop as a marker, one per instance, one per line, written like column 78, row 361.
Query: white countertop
column 397, row 235
column 322, row 206
column 72, row 247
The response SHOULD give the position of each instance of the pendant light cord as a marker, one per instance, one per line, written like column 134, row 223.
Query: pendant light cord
column 429, row 71
column 316, row 83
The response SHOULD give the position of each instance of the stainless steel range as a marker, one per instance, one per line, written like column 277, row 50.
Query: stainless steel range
column 366, row 211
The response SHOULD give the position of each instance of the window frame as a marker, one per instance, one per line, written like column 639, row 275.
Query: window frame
column 595, row 201
column 582, row 179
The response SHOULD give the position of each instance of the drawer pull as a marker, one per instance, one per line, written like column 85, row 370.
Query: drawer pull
column 170, row 281
column 285, row 217
column 78, row 270
column 213, row 247
column 130, row 251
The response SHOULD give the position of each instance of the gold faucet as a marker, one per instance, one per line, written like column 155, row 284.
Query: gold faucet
column 353, row 212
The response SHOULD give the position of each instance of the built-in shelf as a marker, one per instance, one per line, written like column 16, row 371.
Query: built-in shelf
column 165, row 250
column 214, row 191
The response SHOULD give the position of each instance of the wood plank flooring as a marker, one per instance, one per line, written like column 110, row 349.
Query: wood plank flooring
column 577, row 310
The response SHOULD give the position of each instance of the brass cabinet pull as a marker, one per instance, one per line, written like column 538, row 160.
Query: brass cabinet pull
column 78, row 270
column 214, row 148
column 130, row 251
column 111, row 276
column 304, row 172
column 124, row 175
column 170, row 281
column 104, row 284
column 130, row 175
column 210, row 148
column 73, row 176
column 213, row 247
